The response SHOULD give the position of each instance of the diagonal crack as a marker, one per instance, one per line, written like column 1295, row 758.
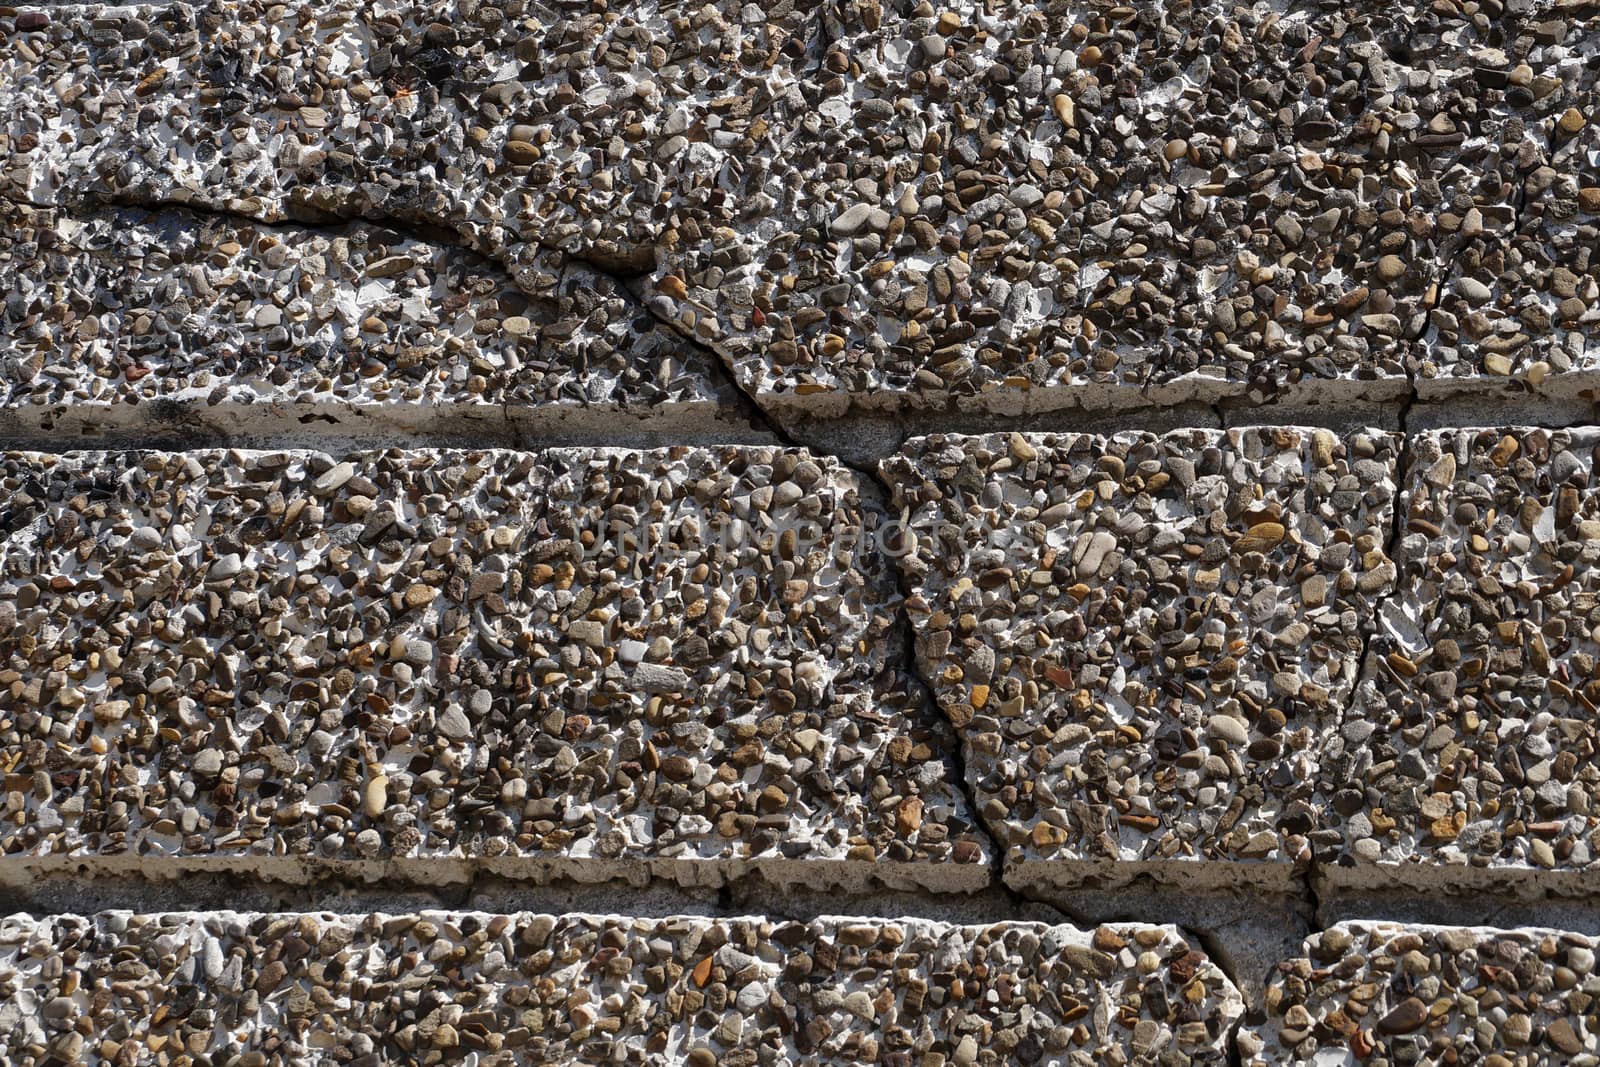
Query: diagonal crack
column 411, row 230
column 1217, row 952
column 904, row 629
column 437, row 235
column 297, row 217
column 955, row 759
column 749, row 408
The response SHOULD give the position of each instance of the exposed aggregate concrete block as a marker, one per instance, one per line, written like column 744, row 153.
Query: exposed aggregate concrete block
column 110, row 319
column 1218, row 678
column 1467, row 758
column 523, row 988
column 1197, row 204
column 1143, row 640
column 1373, row 992
column 591, row 662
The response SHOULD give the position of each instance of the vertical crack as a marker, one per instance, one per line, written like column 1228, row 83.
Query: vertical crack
column 903, row 633
column 1311, row 896
column 1397, row 530
column 1365, row 666
column 955, row 756
column 1218, row 953
column 955, row 760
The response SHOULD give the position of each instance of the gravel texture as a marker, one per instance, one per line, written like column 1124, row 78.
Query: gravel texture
column 1472, row 738
column 1048, row 646
column 1143, row 640
column 120, row 313
column 1383, row 993
column 865, row 205
column 525, row 988
column 596, row 657
column 1519, row 296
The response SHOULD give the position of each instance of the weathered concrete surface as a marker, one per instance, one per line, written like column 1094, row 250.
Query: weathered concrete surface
column 591, row 662
column 1467, row 759
column 1283, row 251
column 1387, row 992
column 574, row 988
column 1144, row 641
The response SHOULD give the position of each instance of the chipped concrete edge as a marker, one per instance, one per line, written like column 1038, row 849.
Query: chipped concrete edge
column 857, row 439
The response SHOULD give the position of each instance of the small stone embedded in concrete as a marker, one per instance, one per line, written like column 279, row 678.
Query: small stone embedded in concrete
column 220, row 653
column 109, row 316
column 523, row 987
column 1373, row 992
column 1468, row 754
column 980, row 207
column 1120, row 206
column 1143, row 640
column 1520, row 296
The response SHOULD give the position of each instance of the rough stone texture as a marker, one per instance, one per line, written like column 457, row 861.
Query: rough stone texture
column 1216, row 678
column 1518, row 297
column 1469, row 752
column 114, row 317
column 479, row 120
column 1248, row 928
column 867, row 205
column 1143, row 640
column 523, row 988
column 1389, row 993
column 480, row 123
column 599, row 658
column 1022, row 209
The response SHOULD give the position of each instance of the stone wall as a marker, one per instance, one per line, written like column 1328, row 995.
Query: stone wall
column 538, row 531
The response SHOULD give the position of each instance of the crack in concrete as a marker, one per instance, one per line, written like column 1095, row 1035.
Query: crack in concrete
column 1452, row 410
column 734, row 896
column 1397, row 531
column 564, row 423
column 1218, row 953
column 955, row 756
column 744, row 892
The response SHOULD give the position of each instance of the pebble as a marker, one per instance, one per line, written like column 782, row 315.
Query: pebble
column 1391, row 993
column 852, row 220
column 376, row 798
column 433, row 671
column 1228, row 729
column 1142, row 639
column 454, row 724
column 1474, row 291
column 578, row 988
